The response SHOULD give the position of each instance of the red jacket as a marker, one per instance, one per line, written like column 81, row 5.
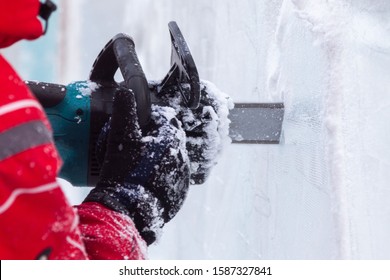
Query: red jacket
column 36, row 219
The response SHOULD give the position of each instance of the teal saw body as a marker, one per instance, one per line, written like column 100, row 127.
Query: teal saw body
column 69, row 112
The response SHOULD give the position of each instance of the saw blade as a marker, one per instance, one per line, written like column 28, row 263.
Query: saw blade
column 256, row 123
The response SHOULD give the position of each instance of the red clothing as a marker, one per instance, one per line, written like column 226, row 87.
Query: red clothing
column 109, row 235
column 36, row 219
column 18, row 20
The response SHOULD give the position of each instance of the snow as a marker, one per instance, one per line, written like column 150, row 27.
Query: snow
column 323, row 192
column 86, row 88
column 212, row 116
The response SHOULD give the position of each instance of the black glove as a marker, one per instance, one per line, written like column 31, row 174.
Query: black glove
column 206, row 128
column 145, row 177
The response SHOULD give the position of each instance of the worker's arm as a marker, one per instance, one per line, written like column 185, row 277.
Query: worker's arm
column 36, row 219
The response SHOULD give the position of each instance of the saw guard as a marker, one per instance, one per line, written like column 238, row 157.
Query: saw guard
column 183, row 75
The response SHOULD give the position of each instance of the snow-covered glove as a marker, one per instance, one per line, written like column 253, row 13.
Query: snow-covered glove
column 206, row 127
column 143, row 176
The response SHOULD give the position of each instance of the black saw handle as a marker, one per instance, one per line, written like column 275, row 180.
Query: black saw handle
column 183, row 75
column 120, row 53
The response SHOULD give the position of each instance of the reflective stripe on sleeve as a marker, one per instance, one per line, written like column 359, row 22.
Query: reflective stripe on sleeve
column 23, row 137
column 18, row 192
column 17, row 105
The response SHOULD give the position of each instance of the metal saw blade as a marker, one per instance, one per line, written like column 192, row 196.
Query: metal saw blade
column 256, row 123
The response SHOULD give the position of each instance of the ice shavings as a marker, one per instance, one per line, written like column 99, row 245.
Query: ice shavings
column 161, row 177
column 340, row 31
column 215, row 128
column 224, row 103
column 206, row 127
column 177, row 151
column 150, row 208
column 86, row 88
column 78, row 119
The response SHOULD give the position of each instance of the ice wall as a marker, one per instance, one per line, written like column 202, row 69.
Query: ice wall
column 323, row 192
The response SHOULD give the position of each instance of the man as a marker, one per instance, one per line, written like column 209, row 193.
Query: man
column 144, row 178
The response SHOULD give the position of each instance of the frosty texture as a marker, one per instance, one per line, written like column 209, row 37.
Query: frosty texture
column 206, row 128
column 143, row 176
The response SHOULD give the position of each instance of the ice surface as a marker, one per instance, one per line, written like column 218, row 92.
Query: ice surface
column 321, row 194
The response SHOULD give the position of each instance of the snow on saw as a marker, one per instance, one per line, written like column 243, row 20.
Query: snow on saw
column 78, row 111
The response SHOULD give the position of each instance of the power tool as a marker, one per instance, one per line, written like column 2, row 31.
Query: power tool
column 78, row 111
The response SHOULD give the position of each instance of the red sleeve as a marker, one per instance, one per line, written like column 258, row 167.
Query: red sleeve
column 19, row 20
column 109, row 235
column 36, row 219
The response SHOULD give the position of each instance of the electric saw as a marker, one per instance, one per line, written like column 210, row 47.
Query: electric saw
column 78, row 111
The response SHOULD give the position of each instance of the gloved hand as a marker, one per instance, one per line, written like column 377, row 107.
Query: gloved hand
column 145, row 177
column 206, row 128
